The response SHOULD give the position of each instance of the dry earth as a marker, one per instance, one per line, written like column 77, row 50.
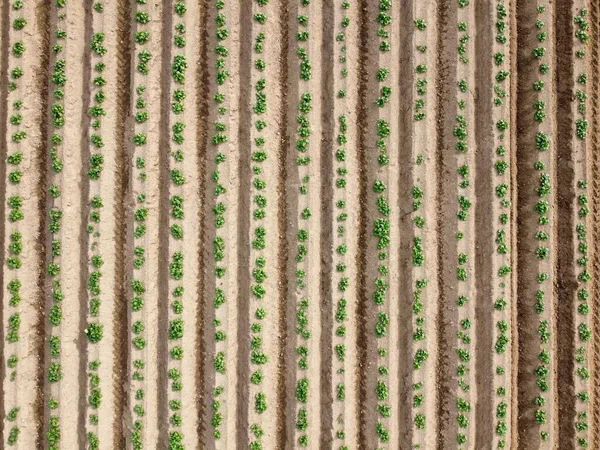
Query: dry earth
column 276, row 224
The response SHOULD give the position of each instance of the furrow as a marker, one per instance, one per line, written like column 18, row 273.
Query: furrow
column 283, row 209
column 122, row 96
column 203, row 103
column 567, row 151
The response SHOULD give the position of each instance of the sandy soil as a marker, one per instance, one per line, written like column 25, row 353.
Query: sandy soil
column 331, row 422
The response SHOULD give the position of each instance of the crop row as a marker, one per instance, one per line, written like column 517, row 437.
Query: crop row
column 581, row 206
column 342, row 260
column 420, row 226
column 305, row 241
column 94, row 329
column 220, row 179
column 544, row 209
column 15, row 160
column 57, row 120
column 176, row 246
column 138, row 313
column 463, row 132
column 258, row 291
column 381, row 224
column 502, row 331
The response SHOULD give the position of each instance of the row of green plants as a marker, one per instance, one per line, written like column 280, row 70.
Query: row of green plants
column 303, row 160
column 176, row 266
column 420, row 226
column 57, row 118
column 381, row 225
column 143, row 57
column 219, row 139
column 14, row 160
column 543, row 208
column 502, row 306
column 465, row 259
column 341, row 263
column 582, row 206
column 258, row 358
column 94, row 329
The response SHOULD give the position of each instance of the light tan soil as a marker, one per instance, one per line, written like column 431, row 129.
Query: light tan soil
column 332, row 422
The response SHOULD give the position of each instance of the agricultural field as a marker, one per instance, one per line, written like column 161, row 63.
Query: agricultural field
column 323, row 224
